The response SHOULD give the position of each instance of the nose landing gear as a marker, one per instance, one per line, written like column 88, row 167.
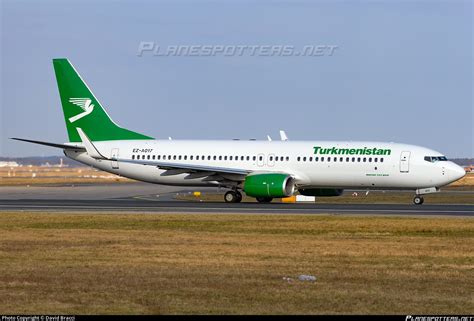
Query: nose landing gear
column 418, row 200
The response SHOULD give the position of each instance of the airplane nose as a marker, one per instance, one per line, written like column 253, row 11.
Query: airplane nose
column 456, row 172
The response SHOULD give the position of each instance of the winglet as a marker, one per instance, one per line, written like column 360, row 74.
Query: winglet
column 283, row 136
column 90, row 148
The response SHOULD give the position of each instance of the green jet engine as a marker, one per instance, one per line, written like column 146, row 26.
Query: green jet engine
column 269, row 185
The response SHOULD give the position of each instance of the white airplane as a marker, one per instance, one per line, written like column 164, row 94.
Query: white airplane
column 262, row 169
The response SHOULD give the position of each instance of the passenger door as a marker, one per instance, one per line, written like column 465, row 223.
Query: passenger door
column 405, row 162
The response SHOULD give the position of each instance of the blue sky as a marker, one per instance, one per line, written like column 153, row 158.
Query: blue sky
column 402, row 71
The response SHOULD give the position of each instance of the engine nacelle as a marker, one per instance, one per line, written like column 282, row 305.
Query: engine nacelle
column 321, row 191
column 269, row 185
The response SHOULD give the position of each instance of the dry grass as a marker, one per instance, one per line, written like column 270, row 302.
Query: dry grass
column 35, row 175
column 467, row 180
column 168, row 264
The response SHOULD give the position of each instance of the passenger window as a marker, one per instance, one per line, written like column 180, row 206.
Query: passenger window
column 154, row 156
column 310, row 159
column 179, row 157
column 353, row 159
column 375, row 159
column 298, row 158
column 347, row 159
column 316, row 158
column 370, row 159
column 381, row 160
column 364, row 159
column 148, row 157
column 260, row 158
column 271, row 158
column 358, row 159
column 335, row 159
column 133, row 156
column 185, row 157
column 322, row 159
column 254, row 158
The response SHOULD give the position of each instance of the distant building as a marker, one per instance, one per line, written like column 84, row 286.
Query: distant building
column 469, row 169
column 9, row 164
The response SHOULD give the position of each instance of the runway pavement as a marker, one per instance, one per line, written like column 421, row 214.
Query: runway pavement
column 139, row 197
column 143, row 205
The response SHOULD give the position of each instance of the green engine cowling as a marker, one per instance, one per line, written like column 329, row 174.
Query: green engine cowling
column 321, row 191
column 269, row 185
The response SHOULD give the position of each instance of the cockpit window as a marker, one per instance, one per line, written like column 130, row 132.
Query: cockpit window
column 434, row 159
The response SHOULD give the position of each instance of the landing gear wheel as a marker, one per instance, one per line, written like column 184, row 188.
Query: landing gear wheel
column 418, row 200
column 239, row 196
column 264, row 199
column 232, row 197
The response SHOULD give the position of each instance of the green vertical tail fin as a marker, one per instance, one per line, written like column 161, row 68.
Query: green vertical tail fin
column 82, row 110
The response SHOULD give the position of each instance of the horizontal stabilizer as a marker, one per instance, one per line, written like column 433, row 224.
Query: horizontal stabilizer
column 62, row 146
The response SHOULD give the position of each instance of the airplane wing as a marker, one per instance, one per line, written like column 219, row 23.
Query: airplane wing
column 209, row 173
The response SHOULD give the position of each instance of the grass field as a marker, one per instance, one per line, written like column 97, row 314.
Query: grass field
column 170, row 264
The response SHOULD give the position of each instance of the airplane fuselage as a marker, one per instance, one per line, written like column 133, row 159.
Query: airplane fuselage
column 322, row 164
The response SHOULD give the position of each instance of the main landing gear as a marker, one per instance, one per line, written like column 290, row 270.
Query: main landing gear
column 418, row 200
column 264, row 199
column 233, row 197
